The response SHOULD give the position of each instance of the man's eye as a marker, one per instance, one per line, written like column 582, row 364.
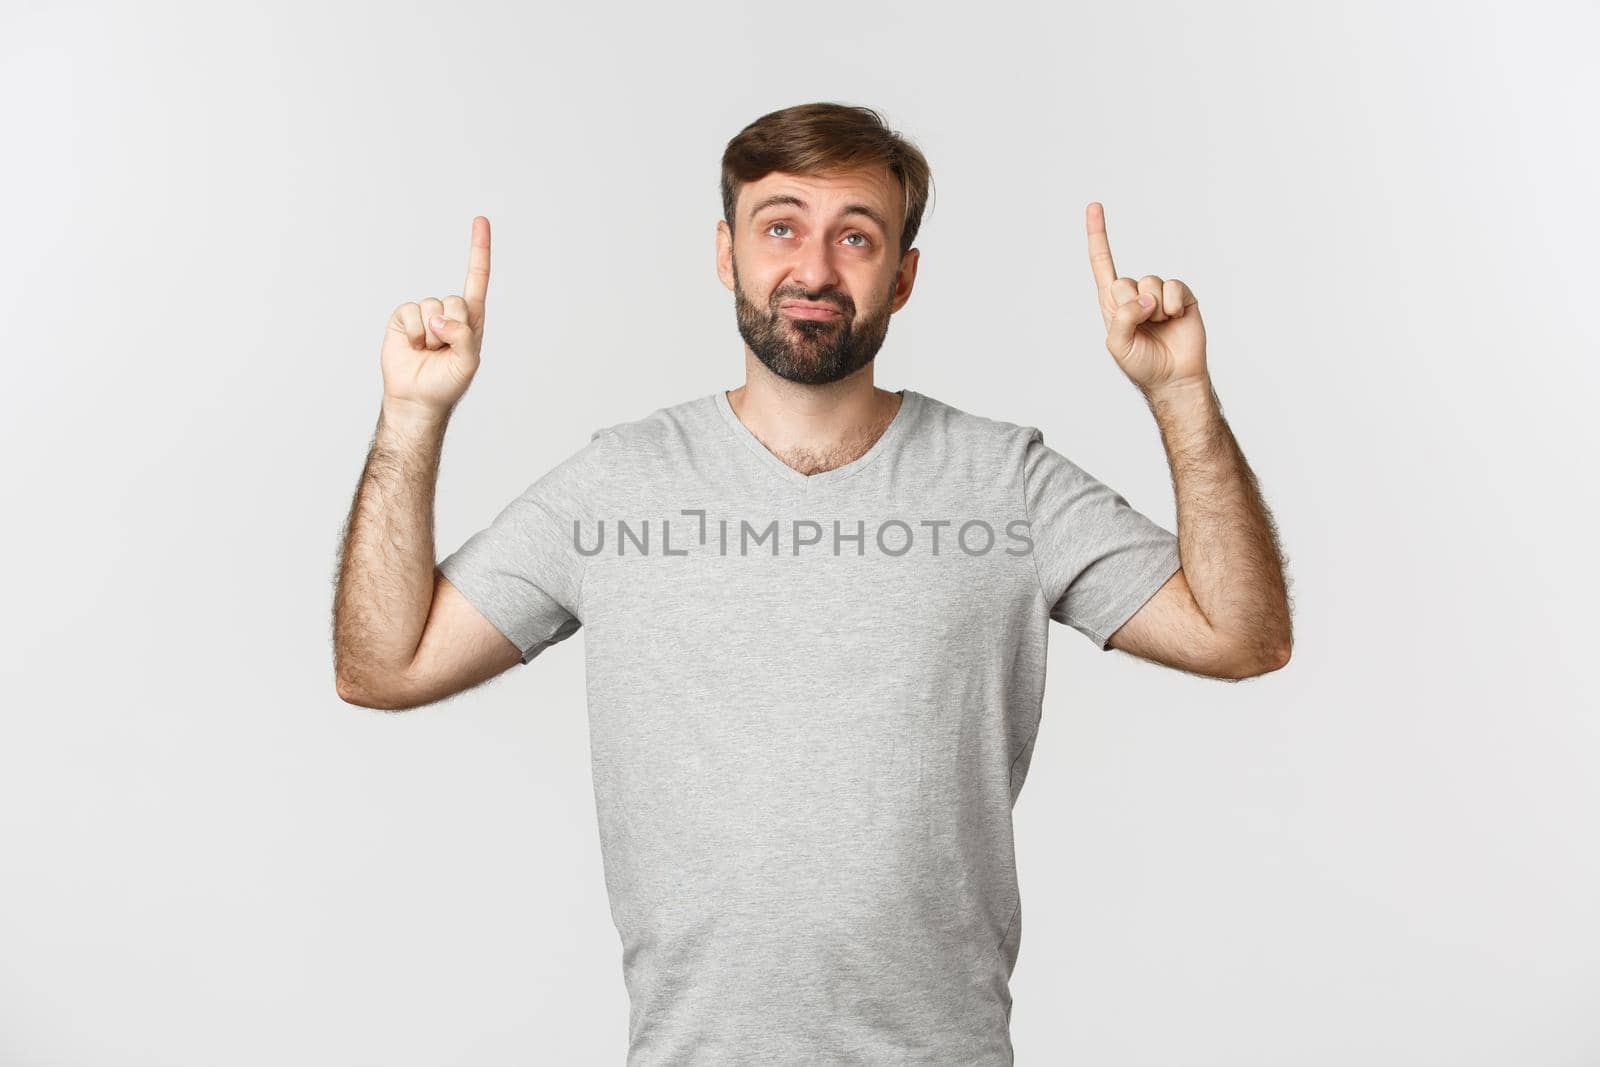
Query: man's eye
column 863, row 243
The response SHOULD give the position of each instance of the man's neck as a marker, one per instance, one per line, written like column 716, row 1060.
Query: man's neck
column 813, row 428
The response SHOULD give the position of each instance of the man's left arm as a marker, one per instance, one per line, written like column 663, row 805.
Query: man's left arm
column 1226, row 612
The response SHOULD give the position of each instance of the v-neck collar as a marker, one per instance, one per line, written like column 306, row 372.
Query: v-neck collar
column 910, row 404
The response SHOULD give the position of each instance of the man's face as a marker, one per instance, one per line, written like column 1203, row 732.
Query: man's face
column 815, row 269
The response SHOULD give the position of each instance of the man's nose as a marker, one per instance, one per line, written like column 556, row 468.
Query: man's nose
column 815, row 268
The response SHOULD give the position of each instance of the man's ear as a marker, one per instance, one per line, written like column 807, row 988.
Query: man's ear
column 905, row 279
column 725, row 254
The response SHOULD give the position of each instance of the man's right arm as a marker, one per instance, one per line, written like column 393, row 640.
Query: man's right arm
column 402, row 634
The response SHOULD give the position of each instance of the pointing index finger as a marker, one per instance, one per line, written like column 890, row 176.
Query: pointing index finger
column 1105, row 271
column 476, row 289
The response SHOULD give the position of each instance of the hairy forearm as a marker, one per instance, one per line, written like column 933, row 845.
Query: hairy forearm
column 1231, row 556
column 384, row 589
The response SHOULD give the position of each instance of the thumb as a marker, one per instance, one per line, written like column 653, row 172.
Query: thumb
column 1125, row 323
column 450, row 331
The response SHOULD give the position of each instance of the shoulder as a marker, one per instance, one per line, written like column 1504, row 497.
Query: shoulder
column 968, row 440
column 660, row 432
column 621, row 459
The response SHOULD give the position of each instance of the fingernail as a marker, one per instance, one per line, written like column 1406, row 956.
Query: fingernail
column 1147, row 301
column 438, row 323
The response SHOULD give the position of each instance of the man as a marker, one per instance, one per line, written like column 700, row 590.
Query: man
column 816, row 616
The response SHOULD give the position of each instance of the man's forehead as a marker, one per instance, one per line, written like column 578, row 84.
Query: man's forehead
column 875, row 186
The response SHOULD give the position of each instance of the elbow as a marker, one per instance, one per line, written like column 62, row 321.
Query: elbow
column 1274, row 661
column 1254, row 662
column 349, row 691
column 1281, row 651
column 357, row 692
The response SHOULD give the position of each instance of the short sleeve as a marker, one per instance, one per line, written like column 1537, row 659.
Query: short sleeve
column 523, row 571
column 1099, row 558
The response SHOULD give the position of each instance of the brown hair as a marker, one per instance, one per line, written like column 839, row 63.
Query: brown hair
column 824, row 138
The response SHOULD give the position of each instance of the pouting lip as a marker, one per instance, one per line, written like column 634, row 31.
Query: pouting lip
column 808, row 306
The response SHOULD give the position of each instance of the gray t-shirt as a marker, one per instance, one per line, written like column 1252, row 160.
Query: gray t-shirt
column 812, row 704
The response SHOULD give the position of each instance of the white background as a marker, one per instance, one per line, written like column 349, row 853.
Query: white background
column 1385, row 854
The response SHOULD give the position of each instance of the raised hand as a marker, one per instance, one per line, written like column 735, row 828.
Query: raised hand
column 430, row 347
column 1157, row 346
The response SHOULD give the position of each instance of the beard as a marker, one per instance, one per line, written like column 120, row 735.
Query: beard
column 810, row 351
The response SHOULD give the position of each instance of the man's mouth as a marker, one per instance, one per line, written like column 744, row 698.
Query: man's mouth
column 800, row 309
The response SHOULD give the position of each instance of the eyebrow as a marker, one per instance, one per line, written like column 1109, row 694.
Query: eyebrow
column 785, row 199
